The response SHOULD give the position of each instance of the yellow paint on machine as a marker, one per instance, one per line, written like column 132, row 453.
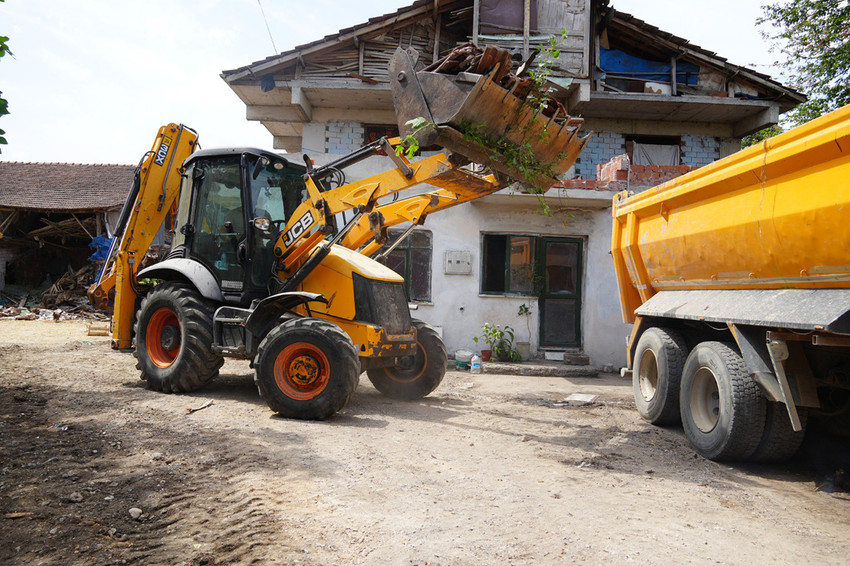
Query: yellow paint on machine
column 772, row 216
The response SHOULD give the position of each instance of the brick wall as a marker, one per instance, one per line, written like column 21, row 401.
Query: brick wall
column 601, row 147
column 618, row 174
column 343, row 137
column 699, row 150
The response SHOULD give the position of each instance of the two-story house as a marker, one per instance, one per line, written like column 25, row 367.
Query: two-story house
column 667, row 104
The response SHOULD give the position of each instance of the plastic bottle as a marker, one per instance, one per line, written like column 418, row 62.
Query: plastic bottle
column 475, row 364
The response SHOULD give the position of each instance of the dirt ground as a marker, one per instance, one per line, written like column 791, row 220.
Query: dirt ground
column 489, row 469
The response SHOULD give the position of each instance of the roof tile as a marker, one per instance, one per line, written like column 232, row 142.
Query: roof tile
column 69, row 187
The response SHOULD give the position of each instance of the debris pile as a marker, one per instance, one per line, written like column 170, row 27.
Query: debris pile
column 470, row 58
column 70, row 288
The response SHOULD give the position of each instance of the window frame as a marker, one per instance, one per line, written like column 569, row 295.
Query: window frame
column 406, row 246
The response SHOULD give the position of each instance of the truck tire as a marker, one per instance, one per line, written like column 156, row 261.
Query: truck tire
column 418, row 375
column 174, row 336
column 723, row 411
column 306, row 368
column 779, row 441
column 659, row 358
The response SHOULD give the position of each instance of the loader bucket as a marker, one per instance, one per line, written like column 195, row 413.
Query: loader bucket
column 471, row 115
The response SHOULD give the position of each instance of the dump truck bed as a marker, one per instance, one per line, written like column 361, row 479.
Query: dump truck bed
column 772, row 216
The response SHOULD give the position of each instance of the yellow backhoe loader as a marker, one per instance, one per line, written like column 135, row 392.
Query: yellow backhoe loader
column 261, row 266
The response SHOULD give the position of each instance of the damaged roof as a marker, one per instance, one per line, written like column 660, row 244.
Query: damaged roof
column 611, row 18
column 652, row 38
column 270, row 64
column 63, row 187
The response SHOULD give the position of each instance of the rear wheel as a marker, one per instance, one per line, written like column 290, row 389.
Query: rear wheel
column 414, row 377
column 779, row 441
column 723, row 412
column 659, row 358
column 174, row 337
column 307, row 368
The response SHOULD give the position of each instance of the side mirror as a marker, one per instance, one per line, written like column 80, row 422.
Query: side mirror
column 262, row 223
column 261, row 164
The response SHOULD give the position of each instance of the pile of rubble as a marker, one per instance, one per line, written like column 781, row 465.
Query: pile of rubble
column 65, row 299
column 70, row 288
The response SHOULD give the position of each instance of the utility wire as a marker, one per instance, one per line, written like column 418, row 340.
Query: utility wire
column 267, row 25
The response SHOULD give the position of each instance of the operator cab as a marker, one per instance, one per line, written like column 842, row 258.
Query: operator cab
column 232, row 206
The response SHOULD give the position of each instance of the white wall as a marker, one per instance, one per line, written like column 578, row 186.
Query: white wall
column 460, row 308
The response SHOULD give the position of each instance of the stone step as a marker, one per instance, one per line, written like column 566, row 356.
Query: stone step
column 540, row 368
column 569, row 358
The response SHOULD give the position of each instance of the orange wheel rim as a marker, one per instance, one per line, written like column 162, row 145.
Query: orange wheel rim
column 301, row 371
column 163, row 337
column 420, row 362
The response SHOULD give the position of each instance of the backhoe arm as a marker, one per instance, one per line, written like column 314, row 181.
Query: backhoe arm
column 154, row 193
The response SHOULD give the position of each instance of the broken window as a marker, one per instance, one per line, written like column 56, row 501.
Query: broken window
column 654, row 150
column 412, row 260
column 508, row 264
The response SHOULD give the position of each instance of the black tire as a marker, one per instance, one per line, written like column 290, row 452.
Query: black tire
column 415, row 376
column 306, row 368
column 659, row 358
column 174, row 336
column 779, row 441
column 723, row 411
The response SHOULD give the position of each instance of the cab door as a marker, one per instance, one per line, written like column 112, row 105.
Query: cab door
column 218, row 219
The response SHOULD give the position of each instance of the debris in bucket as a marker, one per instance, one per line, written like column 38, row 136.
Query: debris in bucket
column 470, row 58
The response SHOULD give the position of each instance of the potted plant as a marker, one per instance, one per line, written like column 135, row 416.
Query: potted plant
column 499, row 341
column 490, row 335
column 524, row 348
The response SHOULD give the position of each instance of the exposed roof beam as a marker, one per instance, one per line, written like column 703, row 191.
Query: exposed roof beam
column 273, row 113
column 270, row 65
column 765, row 118
column 291, row 144
column 302, row 104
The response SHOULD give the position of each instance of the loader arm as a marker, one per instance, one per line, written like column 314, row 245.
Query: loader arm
column 153, row 195
column 314, row 219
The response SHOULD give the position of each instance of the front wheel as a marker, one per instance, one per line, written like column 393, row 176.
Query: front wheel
column 307, row 368
column 414, row 377
column 174, row 335
column 723, row 411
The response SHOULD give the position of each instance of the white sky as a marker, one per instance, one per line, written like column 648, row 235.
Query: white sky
column 91, row 81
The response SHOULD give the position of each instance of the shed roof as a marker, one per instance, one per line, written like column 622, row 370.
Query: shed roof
column 63, row 187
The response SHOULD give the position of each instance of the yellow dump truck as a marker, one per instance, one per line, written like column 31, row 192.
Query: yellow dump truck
column 737, row 279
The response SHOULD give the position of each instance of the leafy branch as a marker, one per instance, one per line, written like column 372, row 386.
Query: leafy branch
column 410, row 144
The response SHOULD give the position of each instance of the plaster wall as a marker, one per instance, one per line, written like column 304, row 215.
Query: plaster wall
column 459, row 307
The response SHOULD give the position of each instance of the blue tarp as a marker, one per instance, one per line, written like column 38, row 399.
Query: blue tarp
column 100, row 244
column 628, row 66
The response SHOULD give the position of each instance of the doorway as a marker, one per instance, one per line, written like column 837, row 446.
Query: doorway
column 559, row 268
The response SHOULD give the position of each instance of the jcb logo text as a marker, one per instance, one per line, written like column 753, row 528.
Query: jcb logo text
column 295, row 232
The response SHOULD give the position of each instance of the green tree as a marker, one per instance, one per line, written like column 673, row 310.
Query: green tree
column 4, row 105
column 760, row 136
column 813, row 35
